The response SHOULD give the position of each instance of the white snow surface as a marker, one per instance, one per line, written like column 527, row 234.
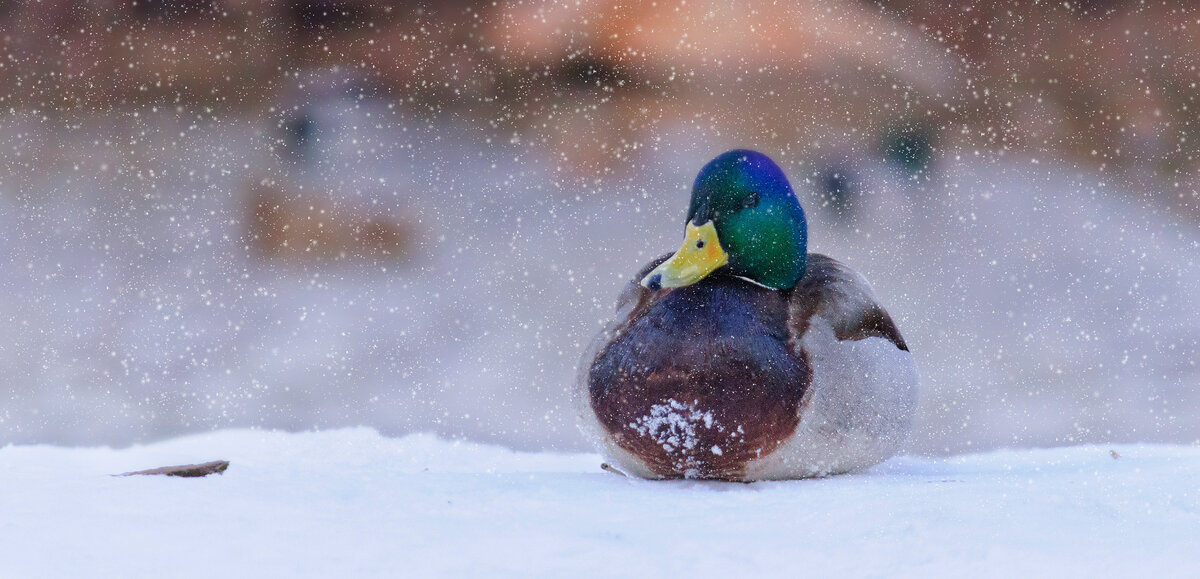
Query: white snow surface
column 352, row 503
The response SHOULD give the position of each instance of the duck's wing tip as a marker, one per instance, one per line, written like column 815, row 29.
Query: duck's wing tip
column 843, row 298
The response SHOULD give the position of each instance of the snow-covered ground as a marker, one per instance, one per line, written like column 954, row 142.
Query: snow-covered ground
column 352, row 503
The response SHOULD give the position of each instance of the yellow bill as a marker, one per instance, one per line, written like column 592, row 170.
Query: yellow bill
column 700, row 255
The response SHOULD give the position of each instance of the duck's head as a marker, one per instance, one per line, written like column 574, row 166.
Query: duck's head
column 744, row 218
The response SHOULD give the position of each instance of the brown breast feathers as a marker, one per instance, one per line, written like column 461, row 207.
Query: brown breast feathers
column 700, row 380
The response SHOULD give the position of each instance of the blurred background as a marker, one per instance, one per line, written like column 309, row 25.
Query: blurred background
column 306, row 214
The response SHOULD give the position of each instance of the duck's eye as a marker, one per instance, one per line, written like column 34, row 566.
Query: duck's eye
column 699, row 244
column 750, row 201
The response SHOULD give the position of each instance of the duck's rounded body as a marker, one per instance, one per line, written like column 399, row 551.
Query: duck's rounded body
column 723, row 377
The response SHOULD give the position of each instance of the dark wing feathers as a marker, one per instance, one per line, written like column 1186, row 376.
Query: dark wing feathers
column 829, row 289
column 844, row 299
column 635, row 299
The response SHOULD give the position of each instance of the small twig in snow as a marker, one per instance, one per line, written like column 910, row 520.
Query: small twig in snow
column 185, row 470
column 604, row 466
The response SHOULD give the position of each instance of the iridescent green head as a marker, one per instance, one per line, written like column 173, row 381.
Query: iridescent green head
column 744, row 217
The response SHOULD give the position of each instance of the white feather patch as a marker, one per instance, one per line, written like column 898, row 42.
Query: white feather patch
column 857, row 411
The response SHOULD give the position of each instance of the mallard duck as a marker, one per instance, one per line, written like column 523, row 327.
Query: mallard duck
column 742, row 356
